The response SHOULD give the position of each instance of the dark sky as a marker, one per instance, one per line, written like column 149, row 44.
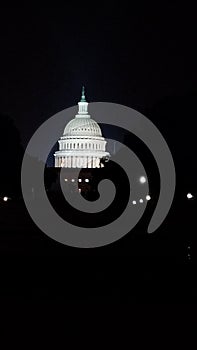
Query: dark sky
column 143, row 57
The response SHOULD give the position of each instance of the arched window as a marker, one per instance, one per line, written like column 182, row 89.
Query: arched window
column 78, row 145
column 85, row 145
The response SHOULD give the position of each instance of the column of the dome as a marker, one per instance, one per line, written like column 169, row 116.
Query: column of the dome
column 69, row 162
column 66, row 162
column 79, row 161
column 89, row 162
column 97, row 162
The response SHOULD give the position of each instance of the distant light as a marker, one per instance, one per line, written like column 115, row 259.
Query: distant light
column 66, row 180
column 142, row 179
column 148, row 198
column 141, row 200
column 73, row 180
column 189, row 196
column 80, row 180
column 134, row 202
column 79, row 190
column 5, row 199
column 87, row 180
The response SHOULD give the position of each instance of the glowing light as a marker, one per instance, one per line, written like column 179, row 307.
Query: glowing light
column 134, row 202
column 142, row 179
column 5, row 199
column 189, row 196
column 80, row 180
column 65, row 180
column 87, row 180
column 148, row 198
column 73, row 180
column 141, row 200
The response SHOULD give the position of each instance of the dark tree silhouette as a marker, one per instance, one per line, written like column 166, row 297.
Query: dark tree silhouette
column 11, row 154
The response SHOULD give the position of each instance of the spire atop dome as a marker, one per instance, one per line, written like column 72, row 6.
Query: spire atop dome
column 83, row 106
column 83, row 98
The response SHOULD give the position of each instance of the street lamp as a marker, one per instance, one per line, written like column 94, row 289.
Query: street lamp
column 148, row 197
column 189, row 196
column 142, row 179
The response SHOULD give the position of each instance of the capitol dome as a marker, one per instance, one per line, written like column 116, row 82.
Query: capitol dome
column 82, row 127
column 82, row 144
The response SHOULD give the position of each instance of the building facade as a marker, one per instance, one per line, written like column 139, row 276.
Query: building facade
column 82, row 144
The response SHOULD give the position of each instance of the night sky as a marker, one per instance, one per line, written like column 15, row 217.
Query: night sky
column 139, row 56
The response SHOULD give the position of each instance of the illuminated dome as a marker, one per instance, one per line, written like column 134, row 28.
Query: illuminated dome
column 82, row 144
column 82, row 127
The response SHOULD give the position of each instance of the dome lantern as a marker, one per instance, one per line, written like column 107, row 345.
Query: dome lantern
column 83, row 105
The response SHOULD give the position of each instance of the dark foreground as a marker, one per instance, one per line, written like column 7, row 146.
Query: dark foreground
column 139, row 268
